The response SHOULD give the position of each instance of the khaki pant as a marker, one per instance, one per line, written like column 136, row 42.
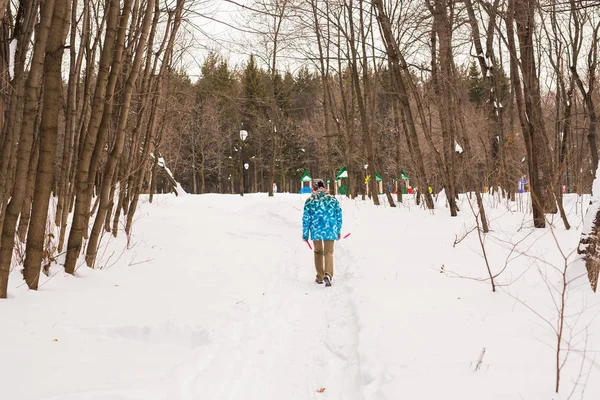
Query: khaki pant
column 324, row 252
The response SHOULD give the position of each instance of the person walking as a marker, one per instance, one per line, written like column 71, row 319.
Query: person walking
column 322, row 223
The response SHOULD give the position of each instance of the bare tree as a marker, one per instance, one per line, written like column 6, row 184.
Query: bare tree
column 592, row 64
column 157, row 101
column 23, row 30
column 522, row 13
column 442, row 79
column 82, row 199
column 48, row 141
column 394, row 54
column 34, row 81
column 109, row 183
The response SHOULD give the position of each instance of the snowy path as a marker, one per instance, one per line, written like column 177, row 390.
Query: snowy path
column 299, row 338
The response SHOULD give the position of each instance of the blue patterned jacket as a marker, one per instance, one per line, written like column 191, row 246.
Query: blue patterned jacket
column 322, row 218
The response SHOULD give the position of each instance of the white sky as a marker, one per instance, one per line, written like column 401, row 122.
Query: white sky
column 215, row 26
column 224, row 27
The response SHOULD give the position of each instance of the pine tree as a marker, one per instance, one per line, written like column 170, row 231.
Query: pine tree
column 476, row 91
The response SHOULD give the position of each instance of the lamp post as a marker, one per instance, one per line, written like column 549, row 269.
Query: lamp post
column 366, row 183
column 243, row 136
column 254, row 184
column 246, row 166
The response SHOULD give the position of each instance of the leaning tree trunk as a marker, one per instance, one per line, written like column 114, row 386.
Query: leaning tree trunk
column 48, row 140
column 11, row 129
column 95, row 178
column 114, row 155
column 136, row 179
column 25, row 144
column 80, row 214
column 69, row 150
column 75, row 101
column 393, row 53
column 156, row 106
column 131, row 153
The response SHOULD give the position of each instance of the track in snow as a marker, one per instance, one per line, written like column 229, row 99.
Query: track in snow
column 301, row 338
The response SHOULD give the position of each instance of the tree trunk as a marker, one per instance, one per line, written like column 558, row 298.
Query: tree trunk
column 471, row 171
column 25, row 144
column 48, row 139
column 156, row 106
column 278, row 19
column 494, row 108
column 361, row 94
column 70, row 113
column 26, row 209
column 113, row 190
column 351, row 189
column 588, row 95
column 202, row 174
column 117, row 150
column 120, row 205
column 324, row 70
column 442, row 77
column 194, row 174
column 12, row 124
column 8, row 137
column 398, row 153
column 132, row 156
column 393, row 53
column 522, row 12
column 103, row 129
column 82, row 201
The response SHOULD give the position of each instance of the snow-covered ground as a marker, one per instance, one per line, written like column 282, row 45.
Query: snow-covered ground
column 216, row 300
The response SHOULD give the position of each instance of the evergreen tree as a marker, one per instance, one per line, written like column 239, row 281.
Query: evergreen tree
column 476, row 92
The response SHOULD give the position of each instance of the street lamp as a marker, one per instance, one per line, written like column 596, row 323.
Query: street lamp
column 366, row 183
column 246, row 166
column 243, row 137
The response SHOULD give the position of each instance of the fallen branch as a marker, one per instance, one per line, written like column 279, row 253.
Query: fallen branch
column 480, row 359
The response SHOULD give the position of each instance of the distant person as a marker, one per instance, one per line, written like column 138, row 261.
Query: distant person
column 522, row 183
column 274, row 188
column 322, row 223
